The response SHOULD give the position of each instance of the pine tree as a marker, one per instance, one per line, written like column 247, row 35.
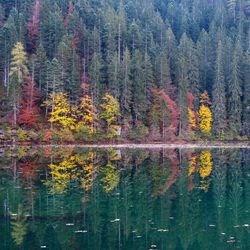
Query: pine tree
column 246, row 93
column 139, row 100
column 163, row 75
column 125, row 83
column 40, row 59
column 219, row 94
column 204, row 60
column 95, row 76
column 183, row 68
column 235, row 91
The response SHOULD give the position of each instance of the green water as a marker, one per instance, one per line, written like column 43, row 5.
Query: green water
column 64, row 198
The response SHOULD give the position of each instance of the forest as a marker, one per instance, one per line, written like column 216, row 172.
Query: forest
column 128, row 70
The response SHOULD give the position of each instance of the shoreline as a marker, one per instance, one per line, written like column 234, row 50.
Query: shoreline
column 217, row 144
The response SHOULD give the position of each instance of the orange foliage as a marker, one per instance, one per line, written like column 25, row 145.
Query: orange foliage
column 29, row 112
column 173, row 109
column 28, row 170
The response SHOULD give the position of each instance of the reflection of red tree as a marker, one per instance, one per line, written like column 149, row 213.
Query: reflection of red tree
column 48, row 151
column 28, row 170
column 175, row 169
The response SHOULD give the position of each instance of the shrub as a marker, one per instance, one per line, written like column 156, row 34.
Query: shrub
column 33, row 135
column 83, row 133
column 22, row 135
column 63, row 135
column 138, row 133
column 46, row 135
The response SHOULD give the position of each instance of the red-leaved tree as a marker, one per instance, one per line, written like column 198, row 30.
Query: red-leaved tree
column 173, row 109
column 190, row 99
column 29, row 109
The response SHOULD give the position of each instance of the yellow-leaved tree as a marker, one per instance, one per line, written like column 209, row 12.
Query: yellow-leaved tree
column 205, row 114
column 18, row 62
column 191, row 112
column 18, row 70
column 61, row 111
column 87, row 113
column 90, row 171
column 110, row 114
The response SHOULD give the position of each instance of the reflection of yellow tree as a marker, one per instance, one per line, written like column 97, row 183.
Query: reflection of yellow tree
column 19, row 227
column 74, row 168
column 114, row 155
column 205, row 164
column 62, row 174
column 89, row 171
column 110, row 177
column 202, row 164
column 192, row 165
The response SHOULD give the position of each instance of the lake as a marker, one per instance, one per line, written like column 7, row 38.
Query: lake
column 80, row 198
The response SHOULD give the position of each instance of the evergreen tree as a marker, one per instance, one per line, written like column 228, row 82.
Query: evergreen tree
column 235, row 91
column 139, row 98
column 219, row 94
column 246, row 87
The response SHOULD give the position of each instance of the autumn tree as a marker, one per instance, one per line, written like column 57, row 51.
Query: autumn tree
column 205, row 114
column 110, row 114
column 61, row 111
column 29, row 110
column 18, row 71
column 191, row 112
column 87, row 113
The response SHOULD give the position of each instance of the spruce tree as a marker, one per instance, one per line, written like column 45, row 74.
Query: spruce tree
column 219, row 94
column 235, row 91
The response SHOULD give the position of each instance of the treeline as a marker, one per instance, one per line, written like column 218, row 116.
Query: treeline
column 151, row 56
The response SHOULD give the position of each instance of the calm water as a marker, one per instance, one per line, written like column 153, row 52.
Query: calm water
column 124, row 199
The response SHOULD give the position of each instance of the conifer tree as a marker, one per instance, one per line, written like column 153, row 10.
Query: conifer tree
column 219, row 94
column 235, row 91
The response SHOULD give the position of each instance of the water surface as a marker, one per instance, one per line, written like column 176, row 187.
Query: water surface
column 78, row 198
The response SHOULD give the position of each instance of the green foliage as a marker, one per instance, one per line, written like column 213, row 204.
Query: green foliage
column 139, row 133
column 83, row 133
column 126, row 48
column 62, row 135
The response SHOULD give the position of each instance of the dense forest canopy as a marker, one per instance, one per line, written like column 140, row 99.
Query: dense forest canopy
column 180, row 65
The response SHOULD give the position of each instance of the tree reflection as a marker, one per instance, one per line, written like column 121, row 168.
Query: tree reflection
column 125, row 199
column 19, row 226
